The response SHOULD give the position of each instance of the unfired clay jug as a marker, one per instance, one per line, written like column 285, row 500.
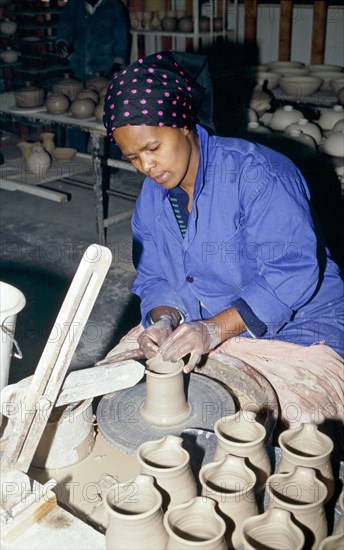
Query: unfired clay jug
column 306, row 446
column 48, row 141
column 135, row 516
column 302, row 494
column 25, row 147
column 231, row 483
column 195, row 525
column 333, row 542
column 240, row 434
column 165, row 402
column 167, row 461
column 273, row 529
column 38, row 161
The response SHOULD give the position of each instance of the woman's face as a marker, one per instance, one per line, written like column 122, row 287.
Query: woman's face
column 169, row 156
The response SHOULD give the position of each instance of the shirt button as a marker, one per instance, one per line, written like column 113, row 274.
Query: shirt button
column 190, row 279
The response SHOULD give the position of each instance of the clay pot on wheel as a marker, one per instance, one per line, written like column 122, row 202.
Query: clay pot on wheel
column 82, row 108
column 57, row 104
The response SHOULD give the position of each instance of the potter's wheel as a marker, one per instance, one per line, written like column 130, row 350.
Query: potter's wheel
column 121, row 423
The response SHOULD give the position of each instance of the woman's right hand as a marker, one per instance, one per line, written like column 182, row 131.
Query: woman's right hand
column 154, row 336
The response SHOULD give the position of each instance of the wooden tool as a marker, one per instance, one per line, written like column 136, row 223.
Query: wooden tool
column 57, row 354
column 78, row 385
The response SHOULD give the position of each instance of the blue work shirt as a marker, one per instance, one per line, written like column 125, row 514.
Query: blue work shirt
column 250, row 237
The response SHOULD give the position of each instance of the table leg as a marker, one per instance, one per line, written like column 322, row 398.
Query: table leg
column 98, row 186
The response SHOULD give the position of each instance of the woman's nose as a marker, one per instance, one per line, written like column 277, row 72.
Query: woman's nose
column 147, row 164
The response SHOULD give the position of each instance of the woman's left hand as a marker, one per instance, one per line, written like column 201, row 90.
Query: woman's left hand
column 196, row 338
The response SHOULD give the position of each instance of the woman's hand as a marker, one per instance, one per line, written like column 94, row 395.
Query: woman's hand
column 196, row 338
column 154, row 336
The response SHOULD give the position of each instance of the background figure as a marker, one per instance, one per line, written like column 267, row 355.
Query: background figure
column 95, row 33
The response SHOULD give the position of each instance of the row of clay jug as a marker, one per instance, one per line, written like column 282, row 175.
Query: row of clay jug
column 162, row 507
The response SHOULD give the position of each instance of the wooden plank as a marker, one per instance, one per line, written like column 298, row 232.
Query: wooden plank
column 285, row 29
column 57, row 354
column 319, row 31
column 250, row 21
column 117, row 218
column 55, row 196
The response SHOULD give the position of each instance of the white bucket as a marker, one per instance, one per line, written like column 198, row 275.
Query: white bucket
column 12, row 301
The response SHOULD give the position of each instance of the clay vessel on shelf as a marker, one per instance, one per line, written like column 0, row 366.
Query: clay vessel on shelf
column 88, row 93
column 231, row 483
column 240, row 434
column 165, row 403
column 204, row 23
column 195, row 525
column 303, row 495
column 57, row 104
column 38, row 161
column 334, row 144
column 306, row 446
column 135, row 516
column 9, row 55
column 185, row 24
column 340, row 96
column 29, row 96
column 47, row 139
column 7, row 26
column 308, row 143
column 218, row 24
column 281, row 118
column 25, row 147
column 68, row 86
column 167, row 461
column 273, row 529
column 98, row 112
column 329, row 117
column 169, row 24
column 97, row 82
column 82, row 108
column 306, row 127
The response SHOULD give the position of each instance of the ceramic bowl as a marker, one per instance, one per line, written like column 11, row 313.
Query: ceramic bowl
column 64, row 154
column 270, row 76
column 337, row 83
column 326, row 77
column 298, row 86
column 324, row 67
column 292, row 71
column 334, row 144
column 279, row 65
column 9, row 55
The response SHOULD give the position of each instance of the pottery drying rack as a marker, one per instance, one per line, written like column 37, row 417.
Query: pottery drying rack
column 37, row 395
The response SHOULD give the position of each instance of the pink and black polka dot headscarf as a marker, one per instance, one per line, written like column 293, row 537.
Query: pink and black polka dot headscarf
column 152, row 91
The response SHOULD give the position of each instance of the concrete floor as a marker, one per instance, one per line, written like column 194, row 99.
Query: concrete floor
column 42, row 243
